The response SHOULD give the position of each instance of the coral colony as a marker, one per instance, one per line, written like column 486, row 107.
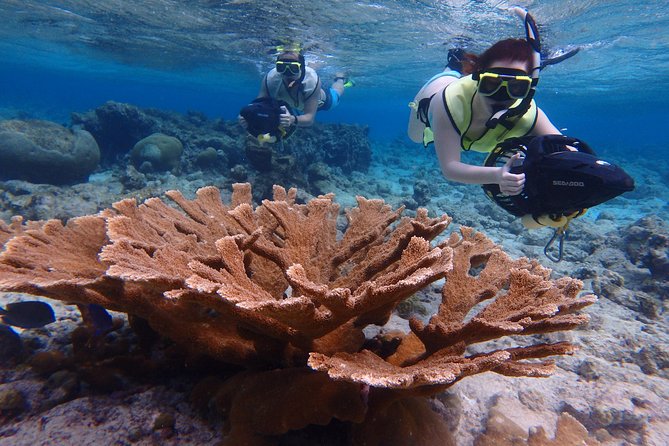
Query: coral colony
column 278, row 290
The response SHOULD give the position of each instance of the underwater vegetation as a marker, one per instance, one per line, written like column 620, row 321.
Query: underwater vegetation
column 285, row 290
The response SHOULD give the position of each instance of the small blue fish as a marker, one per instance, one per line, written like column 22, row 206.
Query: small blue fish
column 28, row 314
column 100, row 319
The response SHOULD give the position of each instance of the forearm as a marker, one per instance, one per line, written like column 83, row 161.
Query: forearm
column 468, row 174
column 305, row 120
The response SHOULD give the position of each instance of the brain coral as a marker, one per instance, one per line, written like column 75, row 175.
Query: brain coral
column 157, row 152
column 45, row 152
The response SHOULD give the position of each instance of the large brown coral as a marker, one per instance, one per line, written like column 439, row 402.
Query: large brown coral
column 277, row 286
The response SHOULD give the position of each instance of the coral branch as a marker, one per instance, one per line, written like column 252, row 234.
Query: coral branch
column 439, row 369
column 523, row 299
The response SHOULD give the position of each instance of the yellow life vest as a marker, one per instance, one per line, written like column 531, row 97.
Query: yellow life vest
column 458, row 98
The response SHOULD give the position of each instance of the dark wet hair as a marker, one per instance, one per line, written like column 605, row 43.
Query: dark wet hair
column 283, row 54
column 517, row 50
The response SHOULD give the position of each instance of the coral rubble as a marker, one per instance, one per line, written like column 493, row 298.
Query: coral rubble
column 277, row 289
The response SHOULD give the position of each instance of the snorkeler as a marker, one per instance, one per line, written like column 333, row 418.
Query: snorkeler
column 482, row 109
column 478, row 111
column 299, row 88
column 495, row 104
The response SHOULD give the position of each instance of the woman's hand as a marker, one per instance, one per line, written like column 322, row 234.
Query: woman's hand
column 286, row 119
column 511, row 183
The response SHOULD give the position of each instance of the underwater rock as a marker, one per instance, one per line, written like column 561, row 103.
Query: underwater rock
column 239, row 173
column 260, row 157
column 11, row 347
column 132, row 179
column 611, row 285
column 339, row 145
column 45, row 152
column 12, row 401
column 209, row 158
column 157, row 152
column 590, row 369
column 320, row 177
column 116, row 127
column 653, row 360
column 45, row 201
column 196, row 117
column 62, row 386
column 284, row 165
column 319, row 171
column 421, row 192
column 165, row 421
column 647, row 244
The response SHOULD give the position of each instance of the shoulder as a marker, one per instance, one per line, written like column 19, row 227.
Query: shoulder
column 272, row 76
column 459, row 93
column 311, row 82
column 272, row 73
column 311, row 74
column 464, row 83
column 543, row 125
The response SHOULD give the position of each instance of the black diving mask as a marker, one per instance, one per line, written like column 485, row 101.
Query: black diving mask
column 516, row 83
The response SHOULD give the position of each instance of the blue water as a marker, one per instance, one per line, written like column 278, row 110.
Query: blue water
column 209, row 56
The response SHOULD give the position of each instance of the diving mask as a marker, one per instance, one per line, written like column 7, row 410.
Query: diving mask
column 517, row 83
column 288, row 67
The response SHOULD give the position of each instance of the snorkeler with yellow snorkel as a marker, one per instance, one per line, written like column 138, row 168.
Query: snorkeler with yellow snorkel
column 296, row 90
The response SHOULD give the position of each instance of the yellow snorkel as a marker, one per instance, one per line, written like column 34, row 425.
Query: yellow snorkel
column 292, row 47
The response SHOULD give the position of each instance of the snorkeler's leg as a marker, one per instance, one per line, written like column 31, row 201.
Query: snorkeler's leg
column 334, row 96
column 338, row 84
